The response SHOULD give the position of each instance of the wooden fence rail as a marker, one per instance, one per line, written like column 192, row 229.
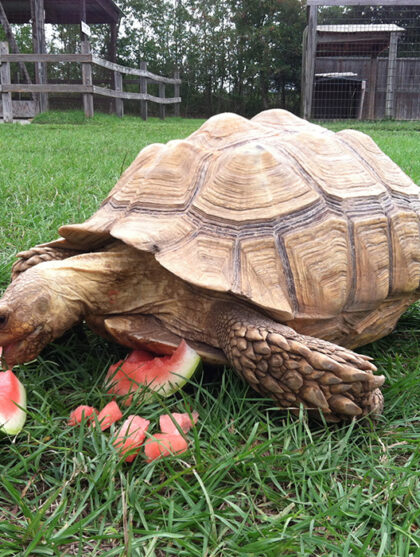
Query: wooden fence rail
column 86, row 88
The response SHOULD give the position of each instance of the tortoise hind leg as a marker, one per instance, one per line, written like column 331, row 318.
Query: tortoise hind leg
column 294, row 369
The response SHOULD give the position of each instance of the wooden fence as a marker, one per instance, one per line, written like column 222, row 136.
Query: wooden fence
column 406, row 94
column 20, row 109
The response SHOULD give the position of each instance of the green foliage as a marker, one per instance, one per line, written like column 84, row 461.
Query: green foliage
column 255, row 482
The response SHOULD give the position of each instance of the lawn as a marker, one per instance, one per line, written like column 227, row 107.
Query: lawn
column 256, row 482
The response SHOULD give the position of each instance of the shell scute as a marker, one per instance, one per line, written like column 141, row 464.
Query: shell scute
column 333, row 166
column 388, row 172
column 251, row 183
column 263, row 277
column 172, row 178
column 405, row 251
column 224, row 130
column 319, row 257
column 202, row 259
column 371, row 245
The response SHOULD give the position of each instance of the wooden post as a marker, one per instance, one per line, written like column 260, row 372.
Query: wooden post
column 11, row 38
column 373, row 73
column 112, row 48
column 87, row 80
column 309, row 62
column 177, row 93
column 143, row 89
column 162, row 96
column 6, row 98
column 38, row 38
column 390, row 78
column 83, row 36
column 119, row 103
column 362, row 99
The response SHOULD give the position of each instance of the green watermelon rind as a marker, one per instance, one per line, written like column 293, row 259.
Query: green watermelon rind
column 175, row 377
column 182, row 372
column 14, row 425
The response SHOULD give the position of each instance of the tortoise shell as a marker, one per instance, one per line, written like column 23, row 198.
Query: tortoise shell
column 303, row 222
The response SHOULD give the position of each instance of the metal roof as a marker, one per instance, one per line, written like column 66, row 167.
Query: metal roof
column 360, row 28
column 63, row 11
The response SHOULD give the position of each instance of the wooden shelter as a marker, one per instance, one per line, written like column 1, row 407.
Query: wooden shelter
column 40, row 12
column 339, row 41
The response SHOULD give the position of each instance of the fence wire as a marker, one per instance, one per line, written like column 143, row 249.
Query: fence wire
column 367, row 63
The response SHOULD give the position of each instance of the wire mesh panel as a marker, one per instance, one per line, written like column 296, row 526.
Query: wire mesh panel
column 362, row 61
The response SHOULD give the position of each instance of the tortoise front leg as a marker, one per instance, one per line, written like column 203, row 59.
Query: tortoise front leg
column 294, row 369
column 39, row 254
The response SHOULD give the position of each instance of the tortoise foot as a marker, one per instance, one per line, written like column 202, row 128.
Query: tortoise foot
column 297, row 370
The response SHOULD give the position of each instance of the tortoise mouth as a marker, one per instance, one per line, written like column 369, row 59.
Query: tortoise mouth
column 23, row 349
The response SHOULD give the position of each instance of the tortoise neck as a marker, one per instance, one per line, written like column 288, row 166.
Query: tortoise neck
column 98, row 282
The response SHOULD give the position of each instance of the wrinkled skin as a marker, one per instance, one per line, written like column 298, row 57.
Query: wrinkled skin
column 28, row 320
column 31, row 316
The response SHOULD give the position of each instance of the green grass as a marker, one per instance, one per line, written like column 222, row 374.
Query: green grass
column 255, row 482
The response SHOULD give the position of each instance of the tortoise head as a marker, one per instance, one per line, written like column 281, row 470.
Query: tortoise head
column 32, row 314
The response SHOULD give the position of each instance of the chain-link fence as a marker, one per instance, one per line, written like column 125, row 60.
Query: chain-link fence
column 362, row 61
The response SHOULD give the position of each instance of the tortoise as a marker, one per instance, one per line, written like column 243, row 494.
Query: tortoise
column 271, row 244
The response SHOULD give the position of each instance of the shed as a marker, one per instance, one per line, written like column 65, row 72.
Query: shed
column 367, row 40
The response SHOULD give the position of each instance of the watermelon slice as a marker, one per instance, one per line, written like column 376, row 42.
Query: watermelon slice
column 12, row 403
column 131, row 436
column 164, row 444
column 167, row 422
column 82, row 412
column 108, row 415
column 165, row 374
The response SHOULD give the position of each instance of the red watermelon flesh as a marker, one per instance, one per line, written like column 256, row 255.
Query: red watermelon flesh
column 12, row 403
column 164, row 444
column 165, row 374
column 82, row 412
column 108, row 415
column 167, row 425
column 131, row 436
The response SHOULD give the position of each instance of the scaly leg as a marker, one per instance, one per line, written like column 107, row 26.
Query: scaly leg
column 295, row 369
column 38, row 254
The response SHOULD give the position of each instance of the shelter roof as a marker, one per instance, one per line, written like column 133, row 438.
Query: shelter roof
column 63, row 11
column 360, row 28
column 367, row 39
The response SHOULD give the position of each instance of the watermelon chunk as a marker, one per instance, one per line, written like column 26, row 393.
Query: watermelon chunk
column 131, row 436
column 165, row 374
column 12, row 403
column 164, row 444
column 82, row 412
column 167, row 422
column 109, row 415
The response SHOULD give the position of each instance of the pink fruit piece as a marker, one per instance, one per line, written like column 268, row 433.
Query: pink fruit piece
column 164, row 374
column 82, row 412
column 167, row 425
column 12, row 403
column 131, row 436
column 109, row 415
column 164, row 444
